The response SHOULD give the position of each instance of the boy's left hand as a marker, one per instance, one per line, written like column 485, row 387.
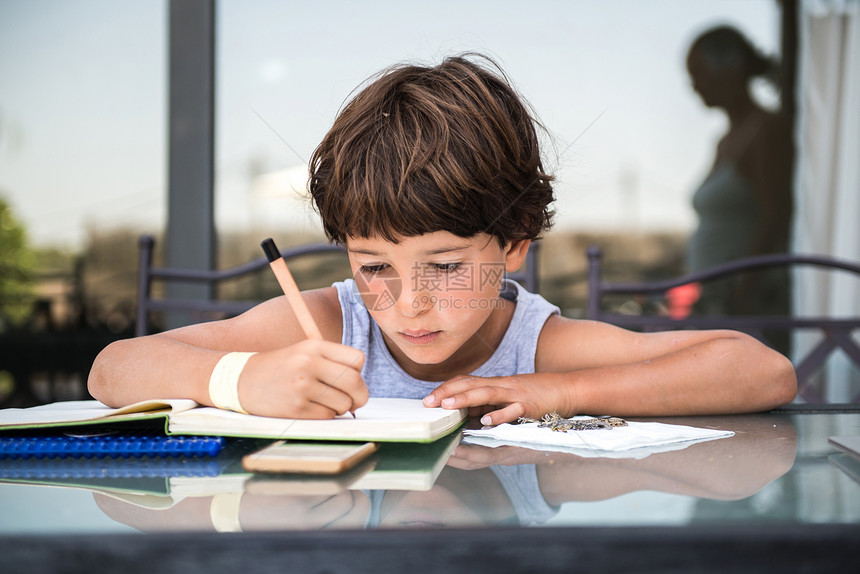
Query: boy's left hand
column 500, row 400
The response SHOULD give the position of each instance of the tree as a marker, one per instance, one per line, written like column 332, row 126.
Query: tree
column 17, row 263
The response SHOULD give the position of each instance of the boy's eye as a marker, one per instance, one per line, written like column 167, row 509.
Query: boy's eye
column 372, row 269
column 448, row 267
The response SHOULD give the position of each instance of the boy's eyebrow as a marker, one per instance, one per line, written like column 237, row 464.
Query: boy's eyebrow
column 362, row 251
column 446, row 249
column 437, row 251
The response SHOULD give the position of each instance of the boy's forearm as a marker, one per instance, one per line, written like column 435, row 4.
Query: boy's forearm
column 724, row 375
column 133, row 370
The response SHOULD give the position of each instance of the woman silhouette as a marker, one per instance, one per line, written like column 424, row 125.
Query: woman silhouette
column 745, row 202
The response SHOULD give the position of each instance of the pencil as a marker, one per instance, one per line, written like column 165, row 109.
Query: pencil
column 291, row 291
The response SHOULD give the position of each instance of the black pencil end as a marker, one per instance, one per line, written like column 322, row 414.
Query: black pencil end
column 269, row 248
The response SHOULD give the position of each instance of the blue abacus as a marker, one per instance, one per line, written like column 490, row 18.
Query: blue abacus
column 123, row 444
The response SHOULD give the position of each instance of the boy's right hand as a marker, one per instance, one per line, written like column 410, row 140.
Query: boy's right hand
column 309, row 380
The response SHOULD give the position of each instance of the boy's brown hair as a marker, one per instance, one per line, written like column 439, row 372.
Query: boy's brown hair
column 423, row 149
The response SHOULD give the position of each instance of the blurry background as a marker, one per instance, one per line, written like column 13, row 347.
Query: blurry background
column 83, row 108
column 84, row 128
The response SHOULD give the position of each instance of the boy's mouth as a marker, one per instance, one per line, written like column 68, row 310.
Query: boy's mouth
column 419, row 337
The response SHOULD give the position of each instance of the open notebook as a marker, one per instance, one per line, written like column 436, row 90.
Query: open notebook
column 380, row 420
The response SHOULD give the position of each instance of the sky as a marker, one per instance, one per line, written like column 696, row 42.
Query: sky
column 83, row 101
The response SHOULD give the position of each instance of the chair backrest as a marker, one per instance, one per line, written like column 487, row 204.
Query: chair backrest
column 836, row 333
column 207, row 309
column 200, row 309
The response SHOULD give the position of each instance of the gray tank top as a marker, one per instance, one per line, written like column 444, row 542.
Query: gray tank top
column 385, row 378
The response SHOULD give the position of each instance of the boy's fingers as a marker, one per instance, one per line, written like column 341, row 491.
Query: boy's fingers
column 342, row 377
column 477, row 396
column 473, row 392
column 340, row 368
column 315, row 411
column 452, row 388
column 328, row 399
column 508, row 414
column 338, row 353
column 311, row 400
column 332, row 400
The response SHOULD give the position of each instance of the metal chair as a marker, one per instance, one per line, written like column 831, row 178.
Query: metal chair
column 208, row 309
column 200, row 309
column 836, row 332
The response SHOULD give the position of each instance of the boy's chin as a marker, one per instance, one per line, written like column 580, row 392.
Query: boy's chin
column 426, row 355
column 426, row 358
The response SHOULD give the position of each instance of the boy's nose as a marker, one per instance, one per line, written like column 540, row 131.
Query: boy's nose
column 414, row 299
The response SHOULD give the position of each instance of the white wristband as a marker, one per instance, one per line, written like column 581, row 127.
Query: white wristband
column 224, row 381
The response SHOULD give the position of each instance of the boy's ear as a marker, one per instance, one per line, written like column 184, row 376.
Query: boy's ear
column 516, row 254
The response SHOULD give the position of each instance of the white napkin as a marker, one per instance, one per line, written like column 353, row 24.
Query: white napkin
column 636, row 440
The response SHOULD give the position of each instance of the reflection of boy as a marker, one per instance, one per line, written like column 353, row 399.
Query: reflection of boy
column 430, row 171
column 500, row 495
column 498, row 486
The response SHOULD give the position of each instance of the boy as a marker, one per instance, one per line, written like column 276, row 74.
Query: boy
column 432, row 179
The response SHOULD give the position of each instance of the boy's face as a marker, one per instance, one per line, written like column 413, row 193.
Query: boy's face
column 432, row 294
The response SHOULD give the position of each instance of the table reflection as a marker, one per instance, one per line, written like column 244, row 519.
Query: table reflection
column 481, row 486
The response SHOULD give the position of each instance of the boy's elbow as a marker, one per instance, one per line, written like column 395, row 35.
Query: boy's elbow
column 97, row 381
column 771, row 380
column 782, row 380
column 789, row 384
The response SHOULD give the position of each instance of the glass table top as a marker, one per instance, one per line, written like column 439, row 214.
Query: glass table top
column 777, row 468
